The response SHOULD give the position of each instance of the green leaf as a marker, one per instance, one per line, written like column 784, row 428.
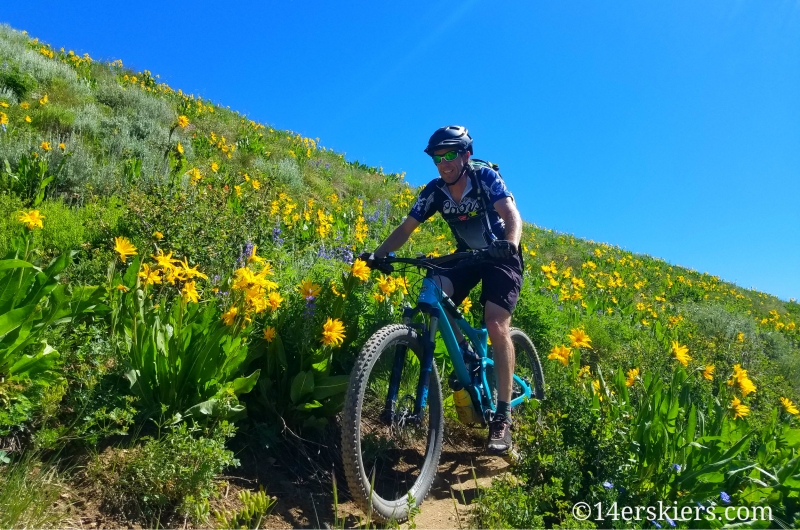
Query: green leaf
column 17, row 264
column 309, row 405
column 14, row 318
column 330, row 386
column 129, row 279
column 243, row 385
column 302, row 385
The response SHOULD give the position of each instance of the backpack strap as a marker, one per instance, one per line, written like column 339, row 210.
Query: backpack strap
column 484, row 200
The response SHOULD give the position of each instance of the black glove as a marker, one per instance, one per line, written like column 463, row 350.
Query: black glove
column 502, row 249
column 368, row 258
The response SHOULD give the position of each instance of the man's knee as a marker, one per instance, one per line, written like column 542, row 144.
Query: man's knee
column 498, row 320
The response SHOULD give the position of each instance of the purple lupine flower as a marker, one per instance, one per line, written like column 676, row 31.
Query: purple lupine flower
column 311, row 306
column 656, row 523
column 276, row 236
column 725, row 497
column 670, row 521
column 608, row 485
column 347, row 256
column 676, row 467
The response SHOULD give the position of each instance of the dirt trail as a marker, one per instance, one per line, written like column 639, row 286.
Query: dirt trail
column 463, row 461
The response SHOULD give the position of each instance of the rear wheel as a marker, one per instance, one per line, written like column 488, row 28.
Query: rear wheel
column 384, row 460
column 527, row 367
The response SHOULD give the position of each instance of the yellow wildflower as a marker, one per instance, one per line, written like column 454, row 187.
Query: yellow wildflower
column 190, row 292
column 360, row 269
column 256, row 184
column 27, row 119
column 122, row 288
column 148, row 275
column 333, row 332
column 681, row 353
column 633, row 373
column 32, row 219
column 789, row 407
column 230, row 315
column 596, row 387
column 269, row 334
column 195, row 174
column 179, row 147
column 740, row 376
column 466, row 305
column 3, row 118
column 165, row 261
column 274, row 300
column 183, row 121
column 585, row 370
column 386, row 284
column 561, row 354
column 739, row 410
column 124, row 248
column 740, row 337
column 44, row 100
column 579, row 339
column 214, row 167
column 253, row 257
column 308, row 289
column 708, row 372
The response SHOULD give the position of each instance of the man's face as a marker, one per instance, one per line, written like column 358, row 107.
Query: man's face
column 451, row 170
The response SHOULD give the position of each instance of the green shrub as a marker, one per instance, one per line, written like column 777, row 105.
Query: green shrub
column 55, row 119
column 153, row 480
column 19, row 83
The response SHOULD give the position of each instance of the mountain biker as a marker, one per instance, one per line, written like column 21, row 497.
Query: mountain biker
column 491, row 222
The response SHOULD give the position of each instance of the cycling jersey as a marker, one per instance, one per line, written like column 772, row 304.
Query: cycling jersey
column 474, row 222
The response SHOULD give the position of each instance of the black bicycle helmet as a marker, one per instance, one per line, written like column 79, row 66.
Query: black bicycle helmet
column 451, row 136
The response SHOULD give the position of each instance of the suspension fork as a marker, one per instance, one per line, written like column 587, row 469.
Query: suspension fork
column 426, row 364
column 387, row 416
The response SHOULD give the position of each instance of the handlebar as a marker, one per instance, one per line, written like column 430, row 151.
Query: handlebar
column 385, row 264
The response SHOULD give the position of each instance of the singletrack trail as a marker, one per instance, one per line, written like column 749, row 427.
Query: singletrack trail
column 463, row 468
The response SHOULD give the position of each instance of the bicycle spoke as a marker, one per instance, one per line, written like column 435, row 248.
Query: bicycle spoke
column 395, row 452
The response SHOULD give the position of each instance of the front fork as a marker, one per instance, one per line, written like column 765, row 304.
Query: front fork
column 390, row 406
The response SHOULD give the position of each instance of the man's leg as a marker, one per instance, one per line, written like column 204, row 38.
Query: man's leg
column 498, row 323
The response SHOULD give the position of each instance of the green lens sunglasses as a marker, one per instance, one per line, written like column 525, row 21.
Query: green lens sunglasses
column 449, row 156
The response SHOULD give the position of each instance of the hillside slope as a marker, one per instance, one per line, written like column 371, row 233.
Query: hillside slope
column 132, row 157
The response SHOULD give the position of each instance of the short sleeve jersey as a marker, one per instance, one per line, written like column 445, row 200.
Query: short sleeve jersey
column 474, row 222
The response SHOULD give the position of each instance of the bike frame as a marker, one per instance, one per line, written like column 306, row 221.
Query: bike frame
column 433, row 301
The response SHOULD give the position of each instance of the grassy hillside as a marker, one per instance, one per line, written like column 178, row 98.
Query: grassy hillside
column 173, row 225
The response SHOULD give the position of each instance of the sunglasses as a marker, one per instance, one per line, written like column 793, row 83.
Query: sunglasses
column 449, row 156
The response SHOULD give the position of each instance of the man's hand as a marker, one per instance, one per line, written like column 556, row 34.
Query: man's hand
column 368, row 258
column 502, row 249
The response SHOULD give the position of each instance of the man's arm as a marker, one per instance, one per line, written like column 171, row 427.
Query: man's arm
column 398, row 237
column 507, row 209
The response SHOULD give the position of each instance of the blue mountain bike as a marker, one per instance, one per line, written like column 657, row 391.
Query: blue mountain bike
column 393, row 413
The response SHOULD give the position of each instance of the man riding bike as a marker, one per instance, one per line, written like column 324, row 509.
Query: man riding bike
column 482, row 214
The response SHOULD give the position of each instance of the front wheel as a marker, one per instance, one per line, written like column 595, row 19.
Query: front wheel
column 390, row 464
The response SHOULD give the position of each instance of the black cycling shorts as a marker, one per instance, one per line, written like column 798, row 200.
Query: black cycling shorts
column 502, row 281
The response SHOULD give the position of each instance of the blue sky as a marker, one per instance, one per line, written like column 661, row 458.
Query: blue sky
column 667, row 128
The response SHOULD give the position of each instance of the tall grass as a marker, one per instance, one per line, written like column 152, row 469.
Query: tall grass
column 29, row 491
